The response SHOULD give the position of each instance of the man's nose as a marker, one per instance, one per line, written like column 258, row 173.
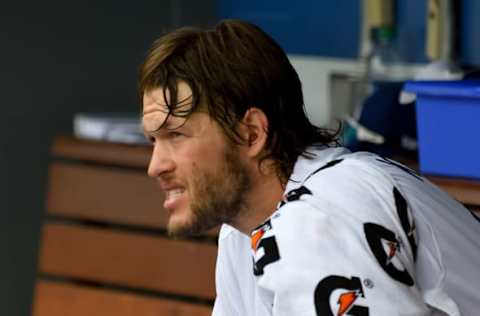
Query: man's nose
column 161, row 162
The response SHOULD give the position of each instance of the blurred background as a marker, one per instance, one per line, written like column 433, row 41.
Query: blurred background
column 59, row 58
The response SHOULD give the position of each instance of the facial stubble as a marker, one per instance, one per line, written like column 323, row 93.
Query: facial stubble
column 217, row 197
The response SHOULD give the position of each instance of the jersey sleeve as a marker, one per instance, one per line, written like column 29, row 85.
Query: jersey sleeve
column 339, row 254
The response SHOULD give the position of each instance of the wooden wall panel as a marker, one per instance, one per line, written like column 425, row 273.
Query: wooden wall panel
column 63, row 299
column 126, row 259
column 128, row 155
column 105, row 194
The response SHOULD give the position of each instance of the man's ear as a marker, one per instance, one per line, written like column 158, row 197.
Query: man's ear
column 254, row 131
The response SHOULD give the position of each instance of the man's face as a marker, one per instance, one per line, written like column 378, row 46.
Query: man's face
column 203, row 176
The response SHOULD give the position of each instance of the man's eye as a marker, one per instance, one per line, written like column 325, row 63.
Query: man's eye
column 174, row 134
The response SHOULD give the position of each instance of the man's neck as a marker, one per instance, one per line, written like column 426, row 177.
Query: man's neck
column 267, row 191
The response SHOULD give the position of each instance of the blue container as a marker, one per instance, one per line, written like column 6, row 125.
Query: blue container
column 448, row 124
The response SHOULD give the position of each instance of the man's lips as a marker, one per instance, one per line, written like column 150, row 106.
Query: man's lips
column 172, row 195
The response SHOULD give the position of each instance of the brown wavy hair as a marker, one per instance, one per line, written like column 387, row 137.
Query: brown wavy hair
column 231, row 68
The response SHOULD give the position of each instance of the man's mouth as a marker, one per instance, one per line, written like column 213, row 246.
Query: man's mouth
column 171, row 196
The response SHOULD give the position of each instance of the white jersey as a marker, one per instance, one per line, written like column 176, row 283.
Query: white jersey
column 355, row 235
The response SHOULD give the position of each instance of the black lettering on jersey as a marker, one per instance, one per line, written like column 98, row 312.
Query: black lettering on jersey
column 295, row 195
column 346, row 300
column 375, row 234
column 326, row 166
column 401, row 167
column 269, row 245
column 265, row 226
column 271, row 254
column 407, row 224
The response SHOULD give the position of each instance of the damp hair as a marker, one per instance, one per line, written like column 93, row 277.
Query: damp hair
column 231, row 68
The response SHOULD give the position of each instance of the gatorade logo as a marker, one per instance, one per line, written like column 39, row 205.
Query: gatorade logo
column 340, row 296
column 386, row 245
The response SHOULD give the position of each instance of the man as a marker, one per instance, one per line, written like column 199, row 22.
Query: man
column 330, row 232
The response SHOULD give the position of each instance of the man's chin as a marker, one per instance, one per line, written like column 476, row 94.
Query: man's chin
column 183, row 229
column 189, row 228
column 180, row 230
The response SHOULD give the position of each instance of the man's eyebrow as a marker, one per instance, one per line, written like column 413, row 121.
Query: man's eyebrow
column 166, row 125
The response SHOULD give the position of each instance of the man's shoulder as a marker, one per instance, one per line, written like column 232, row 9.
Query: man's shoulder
column 361, row 173
column 351, row 165
column 353, row 187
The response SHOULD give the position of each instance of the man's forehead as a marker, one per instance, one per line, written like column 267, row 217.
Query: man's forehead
column 159, row 113
column 153, row 121
column 155, row 101
column 158, row 98
column 157, row 119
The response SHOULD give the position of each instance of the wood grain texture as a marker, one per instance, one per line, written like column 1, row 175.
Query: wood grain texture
column 98, row 193
column 63, row 299
column 465, row 191
column 126, row 259
column 102, row 152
